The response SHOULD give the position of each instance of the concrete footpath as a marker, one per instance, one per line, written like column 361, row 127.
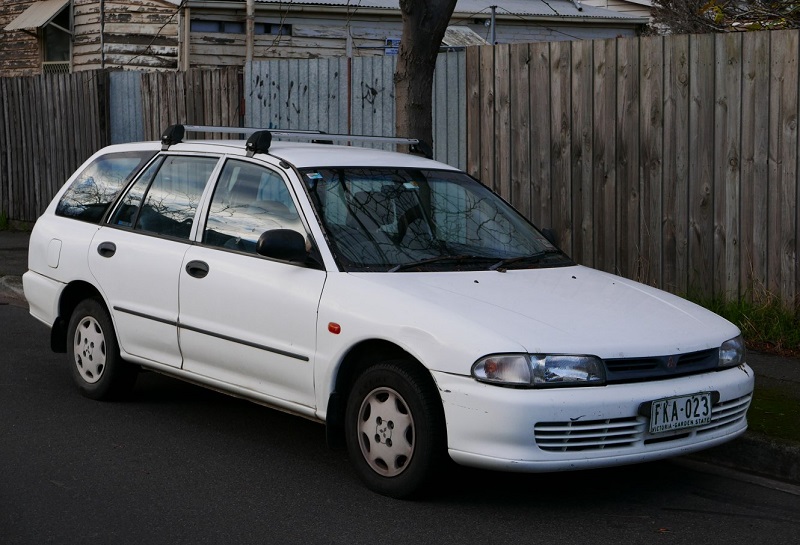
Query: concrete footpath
column 753, row 453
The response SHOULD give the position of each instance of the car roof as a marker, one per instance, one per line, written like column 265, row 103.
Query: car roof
column 304, row 155
column 301, row 154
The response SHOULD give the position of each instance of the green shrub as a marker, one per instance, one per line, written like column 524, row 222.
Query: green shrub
column 767, row 324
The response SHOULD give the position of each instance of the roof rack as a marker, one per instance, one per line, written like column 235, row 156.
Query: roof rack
column 259, row 140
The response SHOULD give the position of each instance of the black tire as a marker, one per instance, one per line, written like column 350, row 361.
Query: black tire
column 394, row 429
column 95, row 364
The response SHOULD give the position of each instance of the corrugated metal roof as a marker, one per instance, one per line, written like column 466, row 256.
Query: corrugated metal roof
column 37, row 15
column 538, row 8
column 482, row 8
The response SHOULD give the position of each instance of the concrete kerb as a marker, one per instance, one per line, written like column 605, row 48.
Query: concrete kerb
column 757, row 454
column 12, row 285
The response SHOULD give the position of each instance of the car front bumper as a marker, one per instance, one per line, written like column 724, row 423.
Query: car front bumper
column 560, row 429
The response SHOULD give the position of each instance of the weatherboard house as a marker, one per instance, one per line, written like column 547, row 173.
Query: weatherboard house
column 72, row 35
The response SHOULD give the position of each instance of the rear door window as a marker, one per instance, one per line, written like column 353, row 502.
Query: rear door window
column 164, row 200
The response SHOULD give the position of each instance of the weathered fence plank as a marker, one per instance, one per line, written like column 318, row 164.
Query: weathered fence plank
column 755, row 158
column 701, row 163
column 676, row 164
column 487, row 128
column 502, row 170
column 628, row 197
column 727, row 159
column 604, row 154
column 474, row 107
column 651, row 122
column 581, row 153
column 561, row 142
column 520, row 191
column 541, row 100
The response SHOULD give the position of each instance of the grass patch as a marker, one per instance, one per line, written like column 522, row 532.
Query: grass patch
column 767, row 326
column 771, row 327
column 3, row 221
column 775, row 413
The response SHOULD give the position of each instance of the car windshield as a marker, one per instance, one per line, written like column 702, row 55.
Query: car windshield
column 396, row 219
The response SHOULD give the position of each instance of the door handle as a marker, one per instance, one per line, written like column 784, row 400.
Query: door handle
column 106, row 249
column 197, row 269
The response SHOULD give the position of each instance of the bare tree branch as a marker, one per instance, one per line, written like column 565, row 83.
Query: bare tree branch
column 700, row 16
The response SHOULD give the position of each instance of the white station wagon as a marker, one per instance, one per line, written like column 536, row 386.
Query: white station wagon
column 389, row 296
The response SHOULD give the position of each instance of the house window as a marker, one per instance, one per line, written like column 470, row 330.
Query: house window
column 56, row 39
column 233, row 27
column 273, row 29
column 224, row 27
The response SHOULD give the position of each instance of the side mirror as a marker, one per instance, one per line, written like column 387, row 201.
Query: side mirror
column 283, row 244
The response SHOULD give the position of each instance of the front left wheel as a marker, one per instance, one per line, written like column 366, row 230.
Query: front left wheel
column 394, row 428
column 95, row 363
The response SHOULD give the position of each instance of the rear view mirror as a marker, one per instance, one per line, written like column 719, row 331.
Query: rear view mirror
column 283, row 244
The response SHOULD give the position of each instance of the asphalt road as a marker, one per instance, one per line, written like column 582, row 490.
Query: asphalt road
column 178, row 464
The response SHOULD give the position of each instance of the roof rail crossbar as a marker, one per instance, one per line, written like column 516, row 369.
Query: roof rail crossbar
column 246, row 130
column 261, row 144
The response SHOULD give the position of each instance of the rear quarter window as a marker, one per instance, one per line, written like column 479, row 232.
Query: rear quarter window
column 99, row 184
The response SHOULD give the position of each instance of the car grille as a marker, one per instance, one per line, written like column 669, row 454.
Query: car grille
column 620, row 433
column 635, row 369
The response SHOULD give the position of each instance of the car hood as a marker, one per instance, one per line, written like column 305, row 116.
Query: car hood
column 574, row 310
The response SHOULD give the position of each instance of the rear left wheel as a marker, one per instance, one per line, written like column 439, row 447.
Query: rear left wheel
column 96, row 366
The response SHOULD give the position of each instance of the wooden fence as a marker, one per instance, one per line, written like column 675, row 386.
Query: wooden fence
column 48, row 126
column 196, row 97
column 671, row 160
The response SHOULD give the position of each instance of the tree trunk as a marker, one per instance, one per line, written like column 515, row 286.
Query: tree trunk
column 424, row 24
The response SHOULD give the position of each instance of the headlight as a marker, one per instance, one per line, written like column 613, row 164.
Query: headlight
column 540, row 370
column 568, row 370
column 731, row 353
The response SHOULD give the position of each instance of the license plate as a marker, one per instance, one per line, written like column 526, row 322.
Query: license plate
column 680, row 412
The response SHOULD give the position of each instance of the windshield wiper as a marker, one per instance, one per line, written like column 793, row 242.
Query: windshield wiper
column 534, row 258
column 438, row 258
